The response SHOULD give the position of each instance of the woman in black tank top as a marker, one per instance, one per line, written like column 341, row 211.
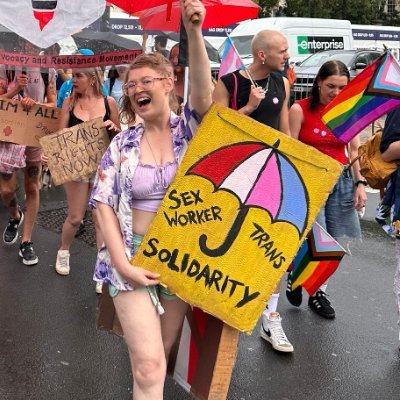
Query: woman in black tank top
column 74, row 120
column 86, row 103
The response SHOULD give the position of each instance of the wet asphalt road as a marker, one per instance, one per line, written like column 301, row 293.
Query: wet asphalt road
column 50, row 349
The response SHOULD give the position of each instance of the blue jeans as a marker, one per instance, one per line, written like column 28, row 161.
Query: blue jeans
column 338, row 216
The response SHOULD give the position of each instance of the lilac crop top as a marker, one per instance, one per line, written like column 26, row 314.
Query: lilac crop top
column 150, row 184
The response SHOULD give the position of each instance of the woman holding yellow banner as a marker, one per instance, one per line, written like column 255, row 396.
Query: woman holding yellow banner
column 132, row 179
column 338, row 217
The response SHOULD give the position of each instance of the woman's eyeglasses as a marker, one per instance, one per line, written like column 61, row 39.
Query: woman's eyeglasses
column 146, row 83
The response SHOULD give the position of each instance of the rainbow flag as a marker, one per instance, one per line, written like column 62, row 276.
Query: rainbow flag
column 317, row 259
column 231, row 60
column 374, row 92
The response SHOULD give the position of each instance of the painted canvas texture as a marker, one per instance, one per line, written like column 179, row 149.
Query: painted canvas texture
column 243, row 200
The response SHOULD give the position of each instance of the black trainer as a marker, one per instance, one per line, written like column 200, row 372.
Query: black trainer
column 382, row 214
column 27, row 253
column 321, row 305
column 295, row 296
column 10, row 234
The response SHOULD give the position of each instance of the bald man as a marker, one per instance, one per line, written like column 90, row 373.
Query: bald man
column 267, row 102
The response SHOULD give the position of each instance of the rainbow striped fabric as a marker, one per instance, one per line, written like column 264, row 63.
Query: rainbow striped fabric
column 374, row 92
column 317, row 259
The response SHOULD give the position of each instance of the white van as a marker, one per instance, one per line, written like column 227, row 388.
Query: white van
column 305, row 35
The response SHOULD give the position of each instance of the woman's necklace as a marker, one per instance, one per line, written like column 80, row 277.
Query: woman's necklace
column 151, row 150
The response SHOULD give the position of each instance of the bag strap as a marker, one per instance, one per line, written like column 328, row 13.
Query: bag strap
column 45, row 77
column 112, row 83
column 373, row 133
column 356, row 159
column 234, row 95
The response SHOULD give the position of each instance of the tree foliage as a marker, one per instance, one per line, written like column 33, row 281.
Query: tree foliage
column 267, row 7
column 357, row 11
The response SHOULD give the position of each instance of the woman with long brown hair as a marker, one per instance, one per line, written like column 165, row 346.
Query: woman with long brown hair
column 86, row 102
column 338, row 216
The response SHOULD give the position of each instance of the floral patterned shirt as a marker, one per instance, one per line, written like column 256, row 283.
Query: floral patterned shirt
column 113, row 185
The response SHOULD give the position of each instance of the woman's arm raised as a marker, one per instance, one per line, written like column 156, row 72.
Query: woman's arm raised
column 199, row 65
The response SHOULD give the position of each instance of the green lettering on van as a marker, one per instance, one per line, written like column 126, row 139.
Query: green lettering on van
column 313, row 44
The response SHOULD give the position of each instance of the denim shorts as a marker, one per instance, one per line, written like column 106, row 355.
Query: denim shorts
column 338, row 216
column 154, row 291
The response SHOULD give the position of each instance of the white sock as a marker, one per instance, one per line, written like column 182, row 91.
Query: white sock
column 272, row 304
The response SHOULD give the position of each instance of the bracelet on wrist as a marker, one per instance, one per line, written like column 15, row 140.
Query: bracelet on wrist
column 361, row 182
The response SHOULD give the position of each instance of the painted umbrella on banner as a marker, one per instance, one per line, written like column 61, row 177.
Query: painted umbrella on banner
column 219, row 13
column 259, row 176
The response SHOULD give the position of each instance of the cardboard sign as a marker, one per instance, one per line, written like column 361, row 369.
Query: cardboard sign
column 26, row 126
column 243, row 200
column 74, row 153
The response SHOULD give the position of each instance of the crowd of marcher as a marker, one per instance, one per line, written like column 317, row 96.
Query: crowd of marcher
column 141, row 162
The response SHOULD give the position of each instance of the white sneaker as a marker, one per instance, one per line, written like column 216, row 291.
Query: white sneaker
column 99, row 287
column 272, row 331
column 62, row 263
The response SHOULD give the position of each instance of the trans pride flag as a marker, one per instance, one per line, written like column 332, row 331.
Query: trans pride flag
column 374, row 92
column 317, row 259
column 230, row 59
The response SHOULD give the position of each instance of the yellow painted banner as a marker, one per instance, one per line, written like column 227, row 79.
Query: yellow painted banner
column 243, row 200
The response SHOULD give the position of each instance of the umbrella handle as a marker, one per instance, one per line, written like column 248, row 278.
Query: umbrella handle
column 230, row 237
column 194, row 19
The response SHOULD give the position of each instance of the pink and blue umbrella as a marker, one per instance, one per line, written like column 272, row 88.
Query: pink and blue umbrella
column 259, row 176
